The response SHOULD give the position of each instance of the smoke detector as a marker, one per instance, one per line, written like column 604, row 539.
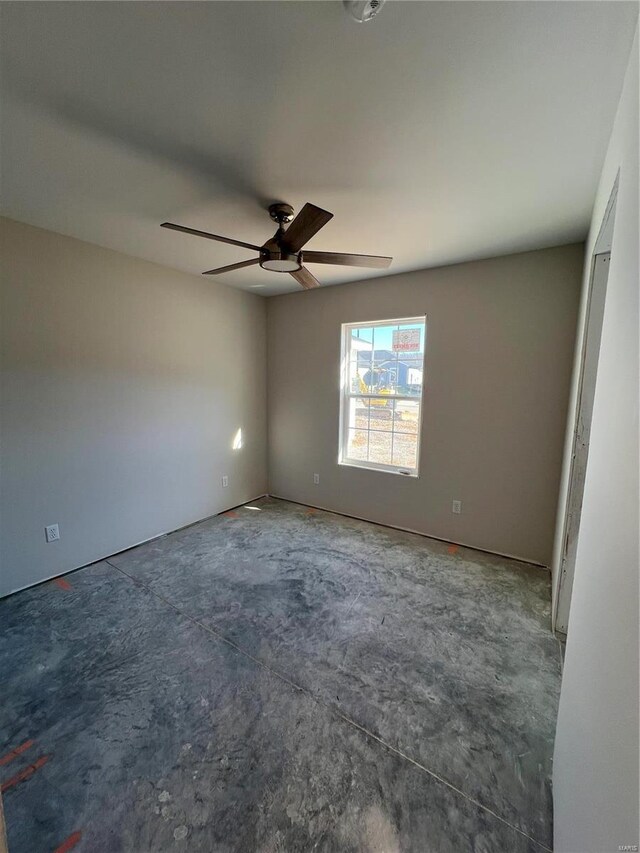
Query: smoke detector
column 363, row 10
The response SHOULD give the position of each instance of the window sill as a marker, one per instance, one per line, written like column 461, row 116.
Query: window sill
column 381, row 469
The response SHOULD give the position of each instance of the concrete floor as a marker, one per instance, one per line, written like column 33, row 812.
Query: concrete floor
column 280, row 679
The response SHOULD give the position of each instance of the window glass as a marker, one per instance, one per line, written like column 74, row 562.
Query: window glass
column 382, row 385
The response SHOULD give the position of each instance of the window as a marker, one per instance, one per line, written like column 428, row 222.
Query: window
column 381, row 399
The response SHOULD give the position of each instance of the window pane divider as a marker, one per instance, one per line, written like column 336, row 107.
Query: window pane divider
column 403, row 397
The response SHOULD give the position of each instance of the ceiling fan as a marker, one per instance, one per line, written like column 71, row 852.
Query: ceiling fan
column 283, row 252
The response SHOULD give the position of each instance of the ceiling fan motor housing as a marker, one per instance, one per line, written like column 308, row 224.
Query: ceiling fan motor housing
column 273, row 256
column 279, row 261
column 276, row 259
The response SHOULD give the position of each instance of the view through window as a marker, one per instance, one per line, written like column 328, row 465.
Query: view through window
column 383, row 378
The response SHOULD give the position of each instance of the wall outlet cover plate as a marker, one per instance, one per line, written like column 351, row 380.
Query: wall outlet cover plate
column 52, row 533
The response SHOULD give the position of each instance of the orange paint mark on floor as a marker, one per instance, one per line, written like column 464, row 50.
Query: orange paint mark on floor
column 231, row 514
column 311, row 511
column 16, row 752
column 25, row 774
column 62, row 583
column 452, row 549
column 70, row 843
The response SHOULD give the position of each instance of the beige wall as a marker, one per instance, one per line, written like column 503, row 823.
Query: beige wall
column 500, row 339
column 123, row 385
column 595, row 775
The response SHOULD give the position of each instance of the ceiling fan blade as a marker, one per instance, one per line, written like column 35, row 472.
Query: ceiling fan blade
column 346, row 260
column 307, row 223
column 305, row 278
column 209, row 236
column 232, row 267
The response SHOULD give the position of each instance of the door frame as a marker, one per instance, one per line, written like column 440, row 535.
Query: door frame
column 590, row 339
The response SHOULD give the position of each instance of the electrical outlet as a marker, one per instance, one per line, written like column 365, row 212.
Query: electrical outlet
column 52, row 533
column 457, row 507
column 316, row 479
column 225, row 481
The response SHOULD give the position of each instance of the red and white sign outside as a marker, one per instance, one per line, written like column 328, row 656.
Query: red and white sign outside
column 406, row 340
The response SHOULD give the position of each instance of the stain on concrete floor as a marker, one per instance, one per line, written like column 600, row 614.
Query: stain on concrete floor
column 282, row 681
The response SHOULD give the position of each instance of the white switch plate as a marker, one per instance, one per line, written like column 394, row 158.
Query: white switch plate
column 316, row 479
column 225, row 481
column 52, row 533
column 456, row 507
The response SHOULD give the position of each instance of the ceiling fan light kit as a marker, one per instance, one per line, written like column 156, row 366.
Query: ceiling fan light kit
column 281, row 262
column 283, row 252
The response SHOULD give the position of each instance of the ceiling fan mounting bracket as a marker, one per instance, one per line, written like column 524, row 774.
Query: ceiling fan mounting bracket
column 281, row 212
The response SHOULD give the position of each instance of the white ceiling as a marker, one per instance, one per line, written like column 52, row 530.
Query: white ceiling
column 436, row 133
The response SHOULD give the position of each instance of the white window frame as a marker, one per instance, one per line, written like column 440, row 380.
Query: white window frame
column 346, row 395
